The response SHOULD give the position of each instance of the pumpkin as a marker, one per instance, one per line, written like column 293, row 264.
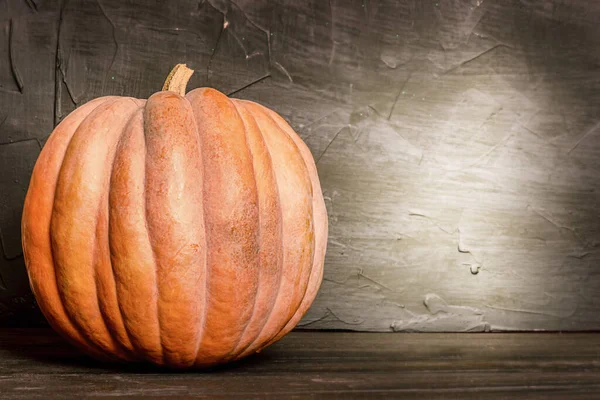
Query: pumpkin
column 185, row 230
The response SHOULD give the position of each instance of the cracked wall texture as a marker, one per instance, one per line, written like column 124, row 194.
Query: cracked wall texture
column 457, row 141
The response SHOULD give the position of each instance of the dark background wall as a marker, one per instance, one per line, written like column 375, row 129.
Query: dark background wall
column 457, row 140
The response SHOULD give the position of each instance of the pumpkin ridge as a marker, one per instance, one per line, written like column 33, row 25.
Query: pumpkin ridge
column 150, row 240
column 258, row 284
column 173, row 195
column 132, row 257
column 205, row 235
column 98, row 110
column 52, row 250
column 270, row 113
column 149, row 235
column 152, row 252
column 312, row 221
column 230, row 200
column 280, row 255
column 82, row 336
column 296, row 278
column 314, row 280
column 106, row 200
column 280, row 258
column 107, row 172
column 301, row 274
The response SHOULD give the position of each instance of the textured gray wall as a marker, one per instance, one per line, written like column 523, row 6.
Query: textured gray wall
column 457, row 140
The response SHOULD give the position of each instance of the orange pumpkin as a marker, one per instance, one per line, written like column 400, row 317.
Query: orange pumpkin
column 185, row 230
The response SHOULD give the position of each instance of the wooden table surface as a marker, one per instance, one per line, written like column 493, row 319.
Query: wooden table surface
column 35, row 363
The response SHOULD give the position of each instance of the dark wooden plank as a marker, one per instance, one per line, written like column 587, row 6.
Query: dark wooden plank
column 37, row 364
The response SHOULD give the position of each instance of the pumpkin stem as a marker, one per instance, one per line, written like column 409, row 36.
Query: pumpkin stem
column 177, row 79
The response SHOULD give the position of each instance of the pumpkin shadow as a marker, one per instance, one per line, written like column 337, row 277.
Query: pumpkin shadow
column 44, row 348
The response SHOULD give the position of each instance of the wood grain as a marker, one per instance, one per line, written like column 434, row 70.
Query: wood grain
column 35, row 363
column 457, row 140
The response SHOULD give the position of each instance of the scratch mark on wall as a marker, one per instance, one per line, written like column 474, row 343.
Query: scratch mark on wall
column 43, row 139
column 237, row 39
column 392, row 64
column 266, row 31
column 417, row 214
column 490, row 151
column 32, row 4
column 319, row 119
column 336, row 243
column 282, row 69
column 579, row 254
column 537, row 135
column 11, row 55
column 332, row 54
column 406, row 236
column 389, row 117
column 329, row 144
column 565, row 125
column 376, row 112
column 321, row 318
column 483, row 53
column 57, row 66
column 585, row 135
column 254, row 82
column 585, row 298
column 22, row 140
column 255, row 53
column 330, row 313
column 214, row 49
column 333, row 42
column 474, row 268
column 491, row 116
column 556, row 224
column 63, row 74
column 355, row 322
column 338, row 282
column 442, row 317
column 69, row 91
column 114, row 34
column 537, row 312
column 4, row 90
column 332, row 240
column 170, row 30
column 361, row 274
